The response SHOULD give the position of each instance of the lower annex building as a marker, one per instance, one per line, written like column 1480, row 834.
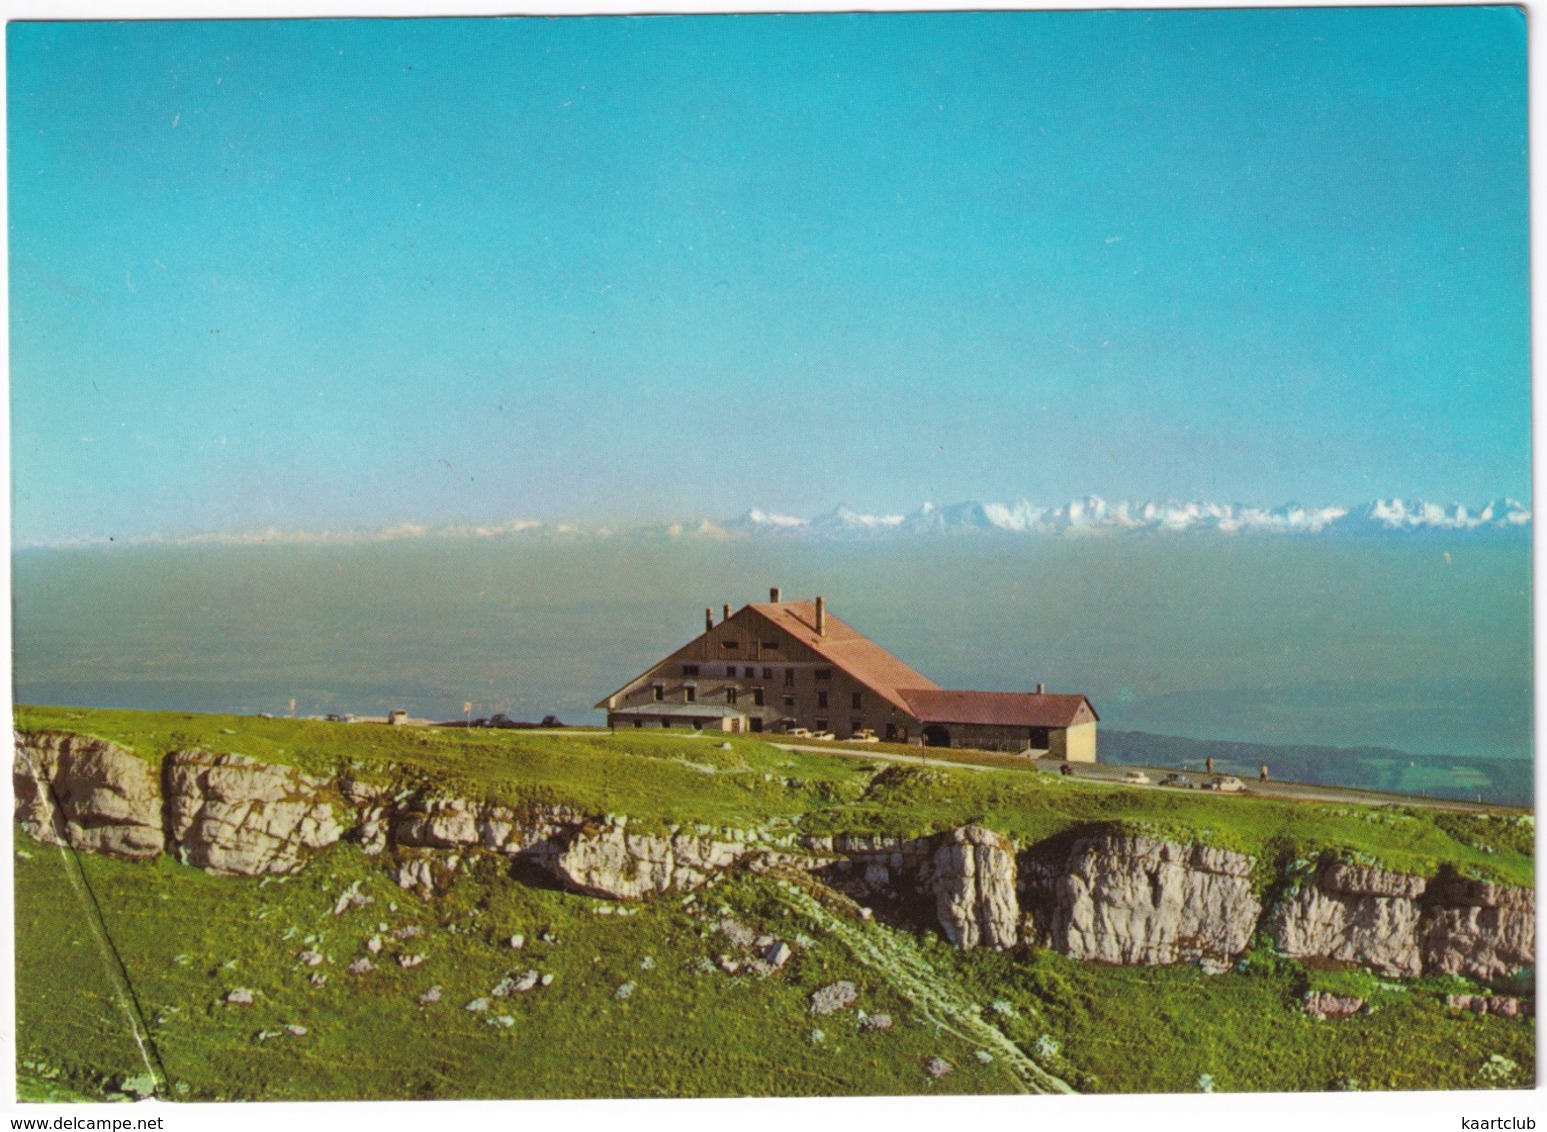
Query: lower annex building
column 783, row 665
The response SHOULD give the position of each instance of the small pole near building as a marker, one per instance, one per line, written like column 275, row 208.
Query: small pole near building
column 467, row 713
column 1263, row 773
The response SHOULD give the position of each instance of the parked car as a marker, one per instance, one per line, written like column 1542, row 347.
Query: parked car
column 1225, row 784
column 799, row 732
column 825, row 736
column 1136, row 778
column 866, row 736
column 1180, row 780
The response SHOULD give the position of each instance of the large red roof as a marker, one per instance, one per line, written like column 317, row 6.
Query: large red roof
column 847, row 648
column 998, row 709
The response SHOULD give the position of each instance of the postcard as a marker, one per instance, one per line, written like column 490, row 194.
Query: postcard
column 958, row 553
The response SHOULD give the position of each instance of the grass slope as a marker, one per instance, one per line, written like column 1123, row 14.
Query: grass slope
column 1005, row 1022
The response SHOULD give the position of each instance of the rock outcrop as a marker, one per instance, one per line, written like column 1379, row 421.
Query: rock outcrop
column 1120, row 898
column 1353, row 914
column 972, row 874
column 88, row 794
column 611, row 861
column 234, row 815
column 1476, row 928
column 1399, row 924
column 1100, row 894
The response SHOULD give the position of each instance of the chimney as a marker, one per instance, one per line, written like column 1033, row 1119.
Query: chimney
column 773, row 594
column 708, row 619
column 725, row 613
column 821, row 617
column 1039, row 689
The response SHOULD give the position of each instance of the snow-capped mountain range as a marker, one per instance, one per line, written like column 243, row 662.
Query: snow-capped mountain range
column 1092, row 516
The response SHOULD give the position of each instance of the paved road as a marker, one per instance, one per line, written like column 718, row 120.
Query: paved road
column 1113, row 773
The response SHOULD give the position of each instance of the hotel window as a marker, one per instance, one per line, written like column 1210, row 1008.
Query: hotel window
column 824, row 673
column 757, row 696
column 821, row 700
column 856, row 701
column 690, row 670
column 730, row 695
column 770, row 644
column 730, row 672
column 821, row 725
column 747, row 672
column 789, row 677
column 789, row 701
column 690, row 694
column 768, row 674
column 731, row 644
column 660, row 692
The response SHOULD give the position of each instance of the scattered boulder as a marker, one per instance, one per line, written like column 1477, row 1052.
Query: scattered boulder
column 373, row 945
column 938, row 1067
column 873, row 1022
column 777, row 954
column 311, row 957
column 834, row 997
column 1325, row 1005
column 478, row 1005
column 1501, row 1006
column 516, row 942
column 240, row 996
column 409, row 931
column 361, row 967
column 410, row 960
column 319, row 980
column 739, row 934
column 430, row 997
column 350, row 898
column 298, row 1031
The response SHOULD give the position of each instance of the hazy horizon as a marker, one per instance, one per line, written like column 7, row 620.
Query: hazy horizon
column 1418, row 645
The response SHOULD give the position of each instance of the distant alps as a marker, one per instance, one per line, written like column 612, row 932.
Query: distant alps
column 1091, row 516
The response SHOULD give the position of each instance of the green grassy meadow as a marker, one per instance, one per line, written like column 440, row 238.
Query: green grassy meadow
column 174, row 942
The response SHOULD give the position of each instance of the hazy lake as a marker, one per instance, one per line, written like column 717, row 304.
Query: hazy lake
column 1422, row 644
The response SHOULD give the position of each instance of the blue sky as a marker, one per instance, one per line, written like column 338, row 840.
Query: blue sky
column 340, row 273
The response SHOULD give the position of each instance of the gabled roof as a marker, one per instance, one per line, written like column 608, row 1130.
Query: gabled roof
column 684, row 711
column 848, row 649
column 996, row 709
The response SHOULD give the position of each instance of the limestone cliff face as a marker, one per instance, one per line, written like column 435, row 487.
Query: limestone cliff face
column 1354, row 914
column 1120, row 898
column 88, row 794
column 1400, row 924
column 460, row 823
column 234, row 815
column 1478, row 929
column 971, row 875
column 611, row 861
column 1107, row 896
